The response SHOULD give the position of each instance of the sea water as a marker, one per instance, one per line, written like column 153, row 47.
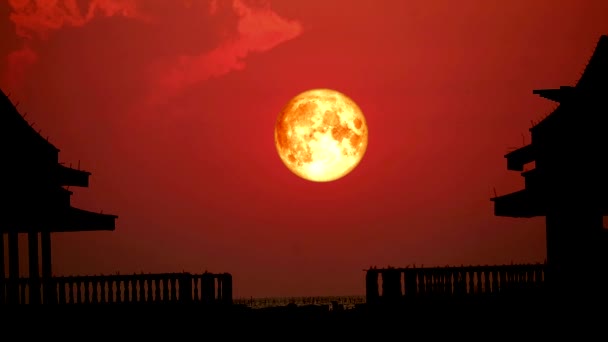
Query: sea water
column 348, row 302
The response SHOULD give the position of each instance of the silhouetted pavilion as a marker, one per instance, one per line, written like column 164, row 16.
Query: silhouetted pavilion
column 569, row 181
column 35, row 199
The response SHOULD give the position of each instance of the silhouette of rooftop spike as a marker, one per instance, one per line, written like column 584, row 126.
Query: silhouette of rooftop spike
column 16, row 130
column 596, row 71
column 593, row 80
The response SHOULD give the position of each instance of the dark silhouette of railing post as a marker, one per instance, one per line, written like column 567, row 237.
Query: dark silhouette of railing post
column 2, row 272
column 49, row 286
column 207, row 287
column 185, row 288
column 34, row 283
column 391, row 284
column 409, row 283
column 13, row 268
column 372, row 294
column 227, row 288
column 453, row 282
column 218, row 280
column 143, row 288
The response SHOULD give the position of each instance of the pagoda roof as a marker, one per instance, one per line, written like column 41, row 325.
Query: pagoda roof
column 595, row 74
column 16, row 130
column 593, row 83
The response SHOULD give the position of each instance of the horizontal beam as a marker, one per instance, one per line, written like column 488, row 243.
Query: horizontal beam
column 557, row 95
column 520, row 157
column 65, row 220
column 68, row 176
column 518, row 204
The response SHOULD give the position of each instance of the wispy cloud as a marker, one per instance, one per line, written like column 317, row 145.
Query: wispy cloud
column 259, row 29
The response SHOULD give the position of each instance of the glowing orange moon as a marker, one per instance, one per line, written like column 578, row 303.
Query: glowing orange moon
column 321, row 135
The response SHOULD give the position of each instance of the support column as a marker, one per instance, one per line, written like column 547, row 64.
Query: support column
column 50, row 296
column 2, row 274
column 391, row 285
column 220, row 286
column 573, row 253
column 207, row 288
column 227, row 288
column 34, row 275
column 45, row 238
column 410, row 286
column 13, row 268
column 372, row 294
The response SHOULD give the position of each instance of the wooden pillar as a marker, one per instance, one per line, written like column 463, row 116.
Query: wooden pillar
column 2, row 274
column 45, row 238
column 13, row 268
column 227, row 288
column 207, row 287
column 34, row 275
column 50, row 296
column 372, row 294
column 218, row 297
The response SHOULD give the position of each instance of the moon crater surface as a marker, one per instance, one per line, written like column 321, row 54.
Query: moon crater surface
column 321, row 135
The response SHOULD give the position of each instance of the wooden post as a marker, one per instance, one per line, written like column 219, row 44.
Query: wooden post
column 13, row 268
column 227, row 288
column 2, row 274
column 34, row 275
column 219, row 287
column 50, row 294
column 185, row 288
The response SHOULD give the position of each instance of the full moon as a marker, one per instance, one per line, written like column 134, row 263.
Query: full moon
column 321, row 135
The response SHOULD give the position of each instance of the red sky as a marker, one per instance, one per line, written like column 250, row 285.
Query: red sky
column 171, row 105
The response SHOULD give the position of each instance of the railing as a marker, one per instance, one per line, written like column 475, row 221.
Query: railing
column 396, row 283
column 137, row 289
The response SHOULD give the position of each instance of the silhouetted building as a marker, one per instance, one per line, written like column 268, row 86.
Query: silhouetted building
column 569, row 181
column 35, row 200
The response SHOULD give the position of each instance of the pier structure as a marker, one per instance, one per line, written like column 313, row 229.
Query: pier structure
column 207, row 289
column 38, row 203
column 394, row 285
